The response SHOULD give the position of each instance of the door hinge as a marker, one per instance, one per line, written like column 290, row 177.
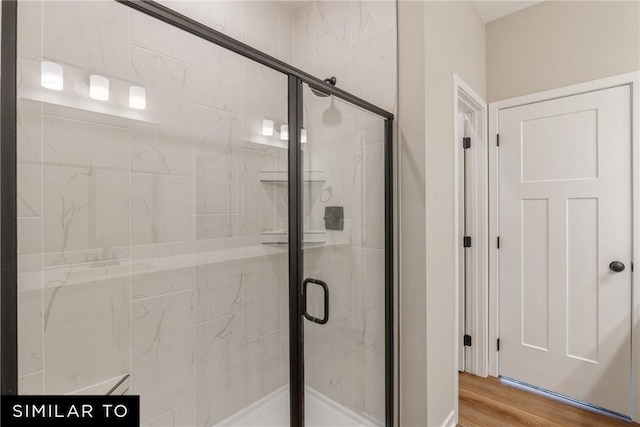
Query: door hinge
column 466, row 142
column 498, row 242
column 632, row 266
column 466, row 241
column 498, row 140
column 467, row 340
column 498, row 344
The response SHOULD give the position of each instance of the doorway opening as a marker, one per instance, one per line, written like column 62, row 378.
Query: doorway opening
column 471, row 231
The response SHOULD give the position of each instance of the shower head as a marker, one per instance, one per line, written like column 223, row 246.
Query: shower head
column 330, row 81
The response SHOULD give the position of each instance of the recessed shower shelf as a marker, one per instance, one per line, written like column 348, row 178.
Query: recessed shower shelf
column 283, row 176
column 282, row 237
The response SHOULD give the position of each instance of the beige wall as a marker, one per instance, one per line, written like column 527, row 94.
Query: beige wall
column 550, row 45
column 557, row 43
column 411, row 135
column 454, row 42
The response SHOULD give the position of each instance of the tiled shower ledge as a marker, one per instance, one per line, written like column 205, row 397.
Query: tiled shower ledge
column 314, row 237
column 283, row 176
column 118, row 385
column 90, row 271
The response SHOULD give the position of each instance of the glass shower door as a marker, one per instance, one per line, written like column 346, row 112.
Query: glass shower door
column 344, row 263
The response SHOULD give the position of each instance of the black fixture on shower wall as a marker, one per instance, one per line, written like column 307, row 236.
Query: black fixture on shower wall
column 334, row 218
column 296, row 78
column 330, row 81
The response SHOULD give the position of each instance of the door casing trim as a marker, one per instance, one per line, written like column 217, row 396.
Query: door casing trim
column 628, row 79
column 477, row 293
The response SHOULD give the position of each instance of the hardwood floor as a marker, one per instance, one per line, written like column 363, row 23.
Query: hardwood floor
column 489, row 402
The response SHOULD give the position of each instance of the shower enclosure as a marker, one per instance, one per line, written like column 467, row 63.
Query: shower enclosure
column 191, row 220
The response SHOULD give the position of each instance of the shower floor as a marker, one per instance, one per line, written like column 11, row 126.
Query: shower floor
column 273, row 410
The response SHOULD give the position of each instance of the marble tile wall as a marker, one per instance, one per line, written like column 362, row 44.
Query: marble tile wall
column 139, row 230
column 355, row 42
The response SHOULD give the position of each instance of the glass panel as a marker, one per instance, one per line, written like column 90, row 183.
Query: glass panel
column 343, row 157
column 152, row 208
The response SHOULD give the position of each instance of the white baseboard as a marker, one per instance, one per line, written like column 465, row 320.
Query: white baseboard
column 450, row 421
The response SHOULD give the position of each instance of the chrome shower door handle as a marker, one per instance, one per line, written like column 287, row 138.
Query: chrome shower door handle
column 325, row 288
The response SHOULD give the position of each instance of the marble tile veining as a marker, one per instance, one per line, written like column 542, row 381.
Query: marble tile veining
column 30, row 316
column 182, row 416
column 219, row 369
column 218, row 16
column 30, row 30
column 86, row 190
column 378, row 52
column 218, row 226
column 260, row 25
column 86, row 325
column 161, row 269
column 155, row 215
column 261, row 363
column 368, row 215
column 29, row 155
column 30, row 232
column 335, row 266
column 261, row 303
column 259, row 199
column 163, row 353
column 219, row 290
column 372, row 18
column 261, row 98
column 333, row 42
column 218, row 160
column 31, row 384
column 304, row 39
column 286, row 35
column 369, row 300
column 183, row 7
column 369, row 385
column 218, row 77
column 163, row 143
column 154, row 35
column 335, row 358
column 98, row 32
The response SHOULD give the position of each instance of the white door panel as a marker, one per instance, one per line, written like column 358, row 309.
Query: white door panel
column 565, row 215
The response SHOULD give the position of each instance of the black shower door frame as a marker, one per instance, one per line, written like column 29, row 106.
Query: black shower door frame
column 296, row 78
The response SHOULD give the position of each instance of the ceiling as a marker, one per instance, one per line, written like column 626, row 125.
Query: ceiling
column 492, row 10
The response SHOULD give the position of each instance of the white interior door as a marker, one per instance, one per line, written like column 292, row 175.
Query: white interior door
column 565, row 215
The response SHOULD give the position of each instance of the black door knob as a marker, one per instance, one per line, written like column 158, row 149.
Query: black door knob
column 616, row 266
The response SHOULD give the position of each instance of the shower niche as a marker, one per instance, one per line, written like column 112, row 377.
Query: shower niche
column 280, row 178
